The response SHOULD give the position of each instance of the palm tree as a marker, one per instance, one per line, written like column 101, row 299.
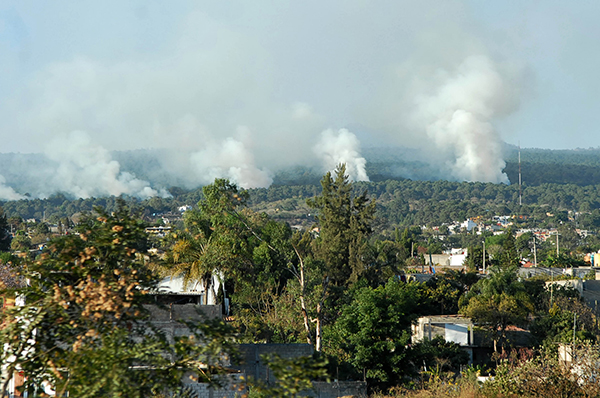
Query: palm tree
column 188, row 259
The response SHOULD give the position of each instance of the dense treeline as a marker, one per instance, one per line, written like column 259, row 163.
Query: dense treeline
column 404, row 203
column 541, row 173
column 400, row 203
column 579, row 156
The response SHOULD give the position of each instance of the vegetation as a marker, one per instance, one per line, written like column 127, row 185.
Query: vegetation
column 338, row 284
column 80, row 324
column 497, row 302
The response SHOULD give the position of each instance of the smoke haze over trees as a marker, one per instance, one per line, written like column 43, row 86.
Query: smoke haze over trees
column 198, row 92
column 314, row 94
column 91, row 171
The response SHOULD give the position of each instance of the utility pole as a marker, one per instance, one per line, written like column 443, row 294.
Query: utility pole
column 534, row 253
column 484, row 256
column 574, row 328
column 520, row 190
column 557, row 251
column 551, row 287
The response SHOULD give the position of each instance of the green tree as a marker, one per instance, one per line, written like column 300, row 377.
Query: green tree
column 21, row 242
column 215, row 238
column 474, row 260
column 344, row 227
column 83, row 327
column 251, row 254
column 565, row 315
column 440, row 355
column 269, row 299
column 373, row 331
column 40, row 233
column 408, row 242
column 498, row 301
column 5, row 236
column 509, row 257
column 524, row 245
column 441, row 295
column 385, row 258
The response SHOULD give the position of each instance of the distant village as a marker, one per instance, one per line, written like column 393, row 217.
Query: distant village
column 178, row 300
column 453, row 258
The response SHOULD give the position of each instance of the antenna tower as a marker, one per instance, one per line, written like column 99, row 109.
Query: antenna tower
column 520, row 191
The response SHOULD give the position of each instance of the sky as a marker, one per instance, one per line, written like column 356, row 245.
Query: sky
column 243, row 88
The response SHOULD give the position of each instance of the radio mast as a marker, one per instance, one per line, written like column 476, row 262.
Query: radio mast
column 520, row 191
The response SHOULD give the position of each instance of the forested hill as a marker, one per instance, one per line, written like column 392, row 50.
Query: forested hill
column 399, row 203
column 404, row 203
column 540, row 166
column 579, row 156
column 31, row 173
column 554, row 182
column 559, row 173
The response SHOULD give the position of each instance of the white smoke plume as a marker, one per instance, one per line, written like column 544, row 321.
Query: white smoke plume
column 458, row 116
column 6, row 192
column 342, row 146
column 231, row 159
column 86, row 169
column 171, row 82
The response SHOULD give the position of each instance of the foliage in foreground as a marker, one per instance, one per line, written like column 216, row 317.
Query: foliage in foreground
column 292, row 376
column 81, row 326
column 523, row 374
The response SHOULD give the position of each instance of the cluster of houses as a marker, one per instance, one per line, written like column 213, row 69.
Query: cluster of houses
column 177, row 301
column 498, row 225
column 165, row 219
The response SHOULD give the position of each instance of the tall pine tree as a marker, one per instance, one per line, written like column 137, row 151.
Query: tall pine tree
column 5, row 236
column 344, row 228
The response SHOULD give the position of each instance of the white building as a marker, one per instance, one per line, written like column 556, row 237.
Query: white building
column 468, row 225
column 453, row 328
column 206, row 295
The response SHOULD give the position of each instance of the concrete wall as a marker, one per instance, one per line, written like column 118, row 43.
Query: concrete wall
column 576, row 284
column 252, row 365
column 168, row 318
column 183, row 312
column 232, row 386
column 346, row 389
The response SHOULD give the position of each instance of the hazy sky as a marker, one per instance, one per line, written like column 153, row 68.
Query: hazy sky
column 275, row 74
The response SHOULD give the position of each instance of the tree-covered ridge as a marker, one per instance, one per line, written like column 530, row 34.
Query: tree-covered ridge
column 400, row 203
column 579, row 156
column 557, row 173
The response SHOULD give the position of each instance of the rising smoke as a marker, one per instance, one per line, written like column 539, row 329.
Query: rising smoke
column 85, row 169
column 455, row 109
column 231, row 159
column 457, row 118
column 336, row 147
column 221, row 95
column 8, row 193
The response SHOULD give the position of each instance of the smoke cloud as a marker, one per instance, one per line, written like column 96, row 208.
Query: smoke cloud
column 85, row 169
column 457, row 118
column 243, row 91
column 336, row 147
column 7, row 193
column 230, row 159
